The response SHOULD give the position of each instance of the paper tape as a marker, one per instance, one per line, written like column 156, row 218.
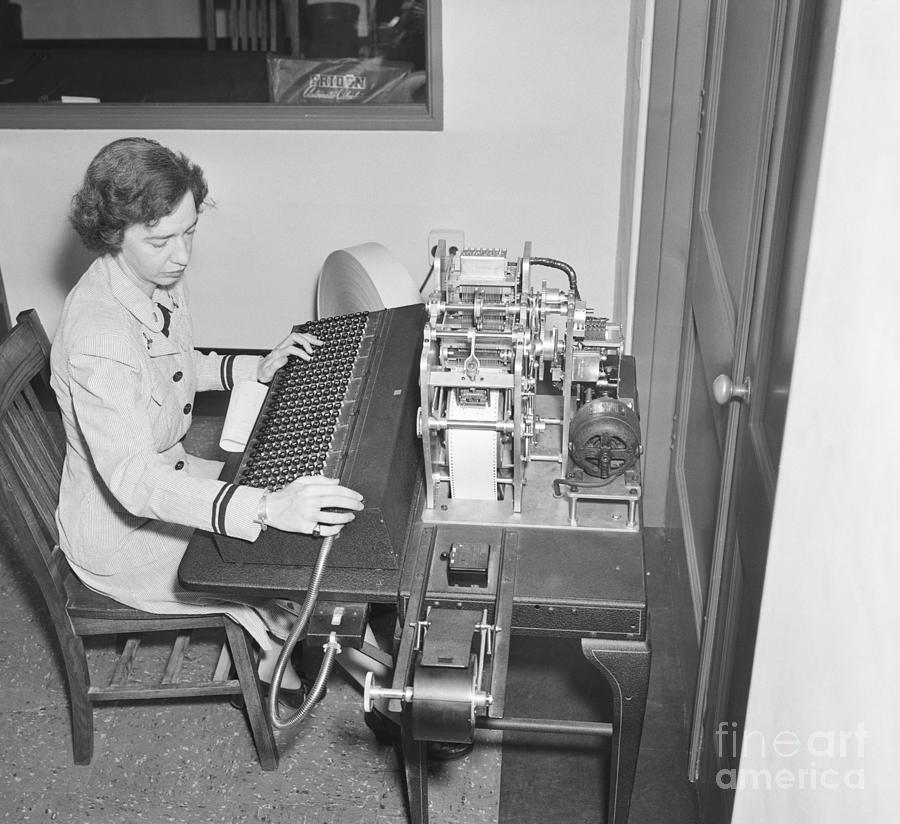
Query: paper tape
column 472, row 453
column 363, row 278
column 243, row 408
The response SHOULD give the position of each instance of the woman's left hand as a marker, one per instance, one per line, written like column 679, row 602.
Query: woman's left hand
column 297, row 343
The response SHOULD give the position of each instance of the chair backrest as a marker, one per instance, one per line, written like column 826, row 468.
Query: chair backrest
column 32, row 447
column 4, row 309
column 253, row 25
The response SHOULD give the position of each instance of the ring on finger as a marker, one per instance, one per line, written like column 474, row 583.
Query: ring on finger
column 317, row 531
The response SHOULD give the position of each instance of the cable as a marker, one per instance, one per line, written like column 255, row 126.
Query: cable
column 563, row 267
column 332, row 648
column 427, row 278
column 436, row 263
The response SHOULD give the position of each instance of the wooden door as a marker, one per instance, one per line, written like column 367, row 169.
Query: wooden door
column 731, row 396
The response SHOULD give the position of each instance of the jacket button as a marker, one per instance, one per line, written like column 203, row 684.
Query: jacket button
column 187, row 409
column 179, row 465
column 177, row 376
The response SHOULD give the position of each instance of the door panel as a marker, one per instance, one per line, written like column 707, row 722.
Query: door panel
column 731, row 178
column 714, row 317
column 738, row 122
column 697, row 486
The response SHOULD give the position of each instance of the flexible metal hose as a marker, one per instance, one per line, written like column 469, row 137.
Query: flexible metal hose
column 332, row 648
column 563, row 267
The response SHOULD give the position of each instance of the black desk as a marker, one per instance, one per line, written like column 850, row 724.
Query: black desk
column 587, row 584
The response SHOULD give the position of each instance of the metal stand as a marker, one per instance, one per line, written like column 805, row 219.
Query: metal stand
column 430, row 698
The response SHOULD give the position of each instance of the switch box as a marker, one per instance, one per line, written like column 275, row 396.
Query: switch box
column 467, row 564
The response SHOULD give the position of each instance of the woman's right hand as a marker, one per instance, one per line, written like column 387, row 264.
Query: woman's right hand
column 301, row 506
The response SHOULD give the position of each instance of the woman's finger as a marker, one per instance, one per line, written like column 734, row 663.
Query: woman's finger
column 342, row 498
column 342, row 517
column 311, row 480
column 303, row 339
column 304, row 354
column 325, row 530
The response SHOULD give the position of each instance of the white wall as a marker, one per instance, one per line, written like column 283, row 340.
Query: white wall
column 826, row 661
column 531, row 150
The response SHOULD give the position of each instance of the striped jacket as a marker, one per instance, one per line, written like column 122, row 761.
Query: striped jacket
column 126, row 392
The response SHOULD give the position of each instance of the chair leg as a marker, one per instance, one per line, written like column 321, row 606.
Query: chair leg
column 263, row 735
column 82, row 708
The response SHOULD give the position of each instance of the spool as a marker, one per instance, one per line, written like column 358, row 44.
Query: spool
column 363, row 278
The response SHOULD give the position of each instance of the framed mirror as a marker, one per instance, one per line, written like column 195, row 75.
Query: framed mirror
column 221, row 64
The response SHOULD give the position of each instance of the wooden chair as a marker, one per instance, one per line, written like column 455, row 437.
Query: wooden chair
column 4, row 309
column 32, row 446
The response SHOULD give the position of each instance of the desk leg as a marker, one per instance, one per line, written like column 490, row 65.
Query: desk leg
column 415, row 767
column 626, row 666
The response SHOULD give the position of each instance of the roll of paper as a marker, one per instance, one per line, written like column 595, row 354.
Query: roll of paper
column 243, row 408
column 364, row 278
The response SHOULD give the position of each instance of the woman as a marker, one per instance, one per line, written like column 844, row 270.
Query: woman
column 125, row 372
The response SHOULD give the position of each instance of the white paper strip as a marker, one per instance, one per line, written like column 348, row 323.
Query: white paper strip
column 473, row 452
column 243, row 408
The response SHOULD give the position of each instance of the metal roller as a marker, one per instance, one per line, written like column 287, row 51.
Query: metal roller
column 444, row 702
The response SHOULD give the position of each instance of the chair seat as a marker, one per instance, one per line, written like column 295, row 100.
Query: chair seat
column 83, row 602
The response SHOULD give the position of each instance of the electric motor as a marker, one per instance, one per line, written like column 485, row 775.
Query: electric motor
column 605, row 437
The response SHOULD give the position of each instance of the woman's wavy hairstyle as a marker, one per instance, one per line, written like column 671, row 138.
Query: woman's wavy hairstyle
column 131, row 181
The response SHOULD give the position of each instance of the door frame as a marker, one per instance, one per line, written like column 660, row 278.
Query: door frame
column 667, row 193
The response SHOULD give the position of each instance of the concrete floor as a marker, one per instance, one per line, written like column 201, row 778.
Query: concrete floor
column 194, row 762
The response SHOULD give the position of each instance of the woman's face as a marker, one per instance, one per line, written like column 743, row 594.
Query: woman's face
column 158, row 255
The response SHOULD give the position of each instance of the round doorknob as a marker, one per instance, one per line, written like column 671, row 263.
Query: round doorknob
column 724, row 390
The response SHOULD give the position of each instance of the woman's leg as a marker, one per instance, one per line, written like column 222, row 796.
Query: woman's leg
column 268, row 658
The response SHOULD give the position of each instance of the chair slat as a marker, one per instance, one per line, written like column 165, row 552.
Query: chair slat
column 39, row 522
column 223, row 664
column 172, row 672
column 34, row 460
column 273, row 25
column 29, row 476
column 150, row 691
column 233, row 24
column 52, row 440
column 35, row 505
column 252, row 25
column 125, row 664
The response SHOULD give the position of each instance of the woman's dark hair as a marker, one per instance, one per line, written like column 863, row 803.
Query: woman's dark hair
column 131, row 181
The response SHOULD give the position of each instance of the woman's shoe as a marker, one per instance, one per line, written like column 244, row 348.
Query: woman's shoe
column 307, row 681
column 448, row 751
column 385, row 731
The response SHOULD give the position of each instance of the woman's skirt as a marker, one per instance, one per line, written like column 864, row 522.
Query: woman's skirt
column 154, row 587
